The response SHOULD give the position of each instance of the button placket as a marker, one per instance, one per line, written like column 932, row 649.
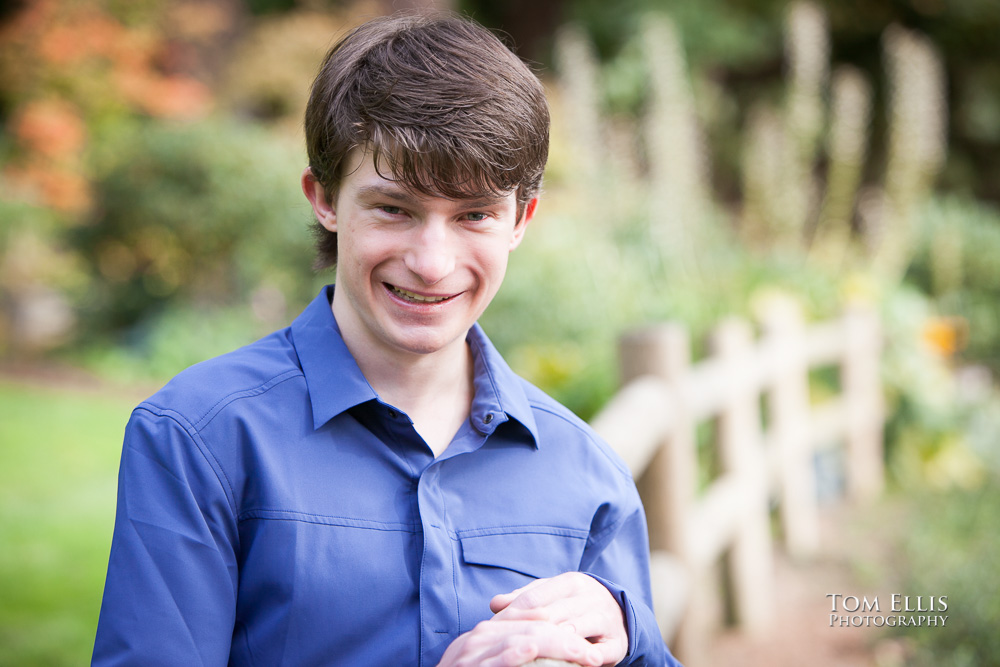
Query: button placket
column 438, row 597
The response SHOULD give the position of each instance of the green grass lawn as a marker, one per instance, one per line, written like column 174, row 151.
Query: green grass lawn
column 59, row 453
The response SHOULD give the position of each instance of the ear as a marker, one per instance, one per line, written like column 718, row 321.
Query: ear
column 321, row 206
column 522, row 224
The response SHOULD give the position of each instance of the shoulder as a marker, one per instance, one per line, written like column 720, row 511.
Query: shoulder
column 200, row 392
column 558, row 424
column 583, row 467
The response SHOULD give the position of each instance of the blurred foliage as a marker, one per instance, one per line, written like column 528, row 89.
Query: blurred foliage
column 273, row 65
column 948, row 549
column 636, row 232
column 930, row 436
column 203, row 213
column 69, row 71
column 177, row 336
column 957, row 261
column 67, row 67
column 737, row 45
column 273, row 62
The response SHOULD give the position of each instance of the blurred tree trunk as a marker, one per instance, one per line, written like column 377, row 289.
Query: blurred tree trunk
column 531, row 24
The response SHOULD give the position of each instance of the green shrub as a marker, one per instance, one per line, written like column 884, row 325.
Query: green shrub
column 951, row 549
column 204, row 214
column 958, row 261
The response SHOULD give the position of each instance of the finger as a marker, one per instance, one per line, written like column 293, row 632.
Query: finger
column 587, row 617
column 490, row 639
column 612, row 651
column 512, row 657
column 575, row 598
column 513, row 643
column 592, row 620
column 541, row 592
column 552, row 643
column 591, row 612
column 499, row 602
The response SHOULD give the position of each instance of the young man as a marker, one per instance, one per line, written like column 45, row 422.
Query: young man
column 373, row 485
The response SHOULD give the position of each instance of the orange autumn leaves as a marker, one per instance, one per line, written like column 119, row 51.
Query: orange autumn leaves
column 51, row 135
column 65, row 63
column 132, row 56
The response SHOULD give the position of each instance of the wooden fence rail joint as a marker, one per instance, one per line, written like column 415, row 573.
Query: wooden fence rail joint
column 652, row 423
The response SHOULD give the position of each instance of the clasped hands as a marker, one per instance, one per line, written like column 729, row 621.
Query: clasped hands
column 570, row 617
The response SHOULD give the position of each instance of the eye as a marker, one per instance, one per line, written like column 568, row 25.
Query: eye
column 476, row 216
column 391, row 210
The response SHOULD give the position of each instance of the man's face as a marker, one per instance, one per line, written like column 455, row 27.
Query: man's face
column 414, row 272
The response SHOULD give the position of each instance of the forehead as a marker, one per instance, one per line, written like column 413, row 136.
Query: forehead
column 421, row 176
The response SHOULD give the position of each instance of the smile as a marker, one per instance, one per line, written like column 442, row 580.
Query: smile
column 415, row 298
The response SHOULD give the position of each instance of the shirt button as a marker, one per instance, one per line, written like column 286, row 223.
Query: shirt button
column 392, row 414
column 488, row 418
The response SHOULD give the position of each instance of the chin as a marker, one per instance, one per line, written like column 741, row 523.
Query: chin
column 428, row 344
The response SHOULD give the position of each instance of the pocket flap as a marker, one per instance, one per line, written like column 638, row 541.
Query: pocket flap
column 534, row 554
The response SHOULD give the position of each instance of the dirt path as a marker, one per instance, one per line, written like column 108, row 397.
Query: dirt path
column 853, row 561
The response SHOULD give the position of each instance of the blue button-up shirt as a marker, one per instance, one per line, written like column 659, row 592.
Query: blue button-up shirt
column 272, row 510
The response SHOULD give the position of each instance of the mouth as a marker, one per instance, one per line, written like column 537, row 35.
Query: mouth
column 413, row 297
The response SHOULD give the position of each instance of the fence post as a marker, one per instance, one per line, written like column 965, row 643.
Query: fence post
column 668, row 485
column 750, row 560
column 865, row 410
column 789, row 413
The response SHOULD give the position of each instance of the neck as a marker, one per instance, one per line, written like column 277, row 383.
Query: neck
column 434, row 389
column 415, row 382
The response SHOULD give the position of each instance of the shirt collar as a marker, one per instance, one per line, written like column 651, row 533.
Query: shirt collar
column 499, row 392
column 336, row 383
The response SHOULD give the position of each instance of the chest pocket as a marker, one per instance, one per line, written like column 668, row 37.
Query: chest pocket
column 494, row 564
column 536, row 555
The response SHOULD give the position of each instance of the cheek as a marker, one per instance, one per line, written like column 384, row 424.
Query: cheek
column 493, row 263
column 366, row 254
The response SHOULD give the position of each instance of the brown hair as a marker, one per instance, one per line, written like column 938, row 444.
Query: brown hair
column 437, row 99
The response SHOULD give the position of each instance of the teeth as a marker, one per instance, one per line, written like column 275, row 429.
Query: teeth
column 416, row 297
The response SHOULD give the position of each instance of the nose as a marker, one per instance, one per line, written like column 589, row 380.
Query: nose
column 430, row 255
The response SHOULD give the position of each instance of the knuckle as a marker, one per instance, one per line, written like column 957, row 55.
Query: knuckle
column 511, row 658
column 578, row 578
column 530, row 599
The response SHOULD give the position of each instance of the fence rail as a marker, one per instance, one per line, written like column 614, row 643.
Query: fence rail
column 767, row 432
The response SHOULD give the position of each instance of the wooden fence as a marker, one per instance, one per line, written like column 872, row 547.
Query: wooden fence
column 767, row 431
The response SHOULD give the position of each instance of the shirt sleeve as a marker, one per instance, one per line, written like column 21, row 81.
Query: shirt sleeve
column 618, row 557
column 170, row 593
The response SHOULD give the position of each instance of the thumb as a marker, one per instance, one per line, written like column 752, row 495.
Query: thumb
column 500, row 602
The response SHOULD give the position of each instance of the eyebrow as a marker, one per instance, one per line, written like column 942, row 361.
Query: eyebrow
column 398, row 194
column 407, row 197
